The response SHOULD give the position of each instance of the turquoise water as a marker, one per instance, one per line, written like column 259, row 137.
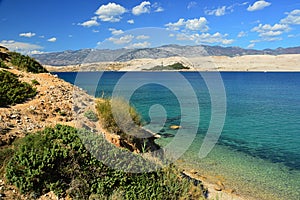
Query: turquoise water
column 258, row 152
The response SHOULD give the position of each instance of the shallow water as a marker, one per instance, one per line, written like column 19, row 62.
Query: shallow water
column 258, row 153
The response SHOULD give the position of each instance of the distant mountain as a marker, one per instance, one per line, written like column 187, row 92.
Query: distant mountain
column 105, row 55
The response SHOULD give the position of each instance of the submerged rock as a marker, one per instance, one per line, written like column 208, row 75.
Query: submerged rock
column 175, row 127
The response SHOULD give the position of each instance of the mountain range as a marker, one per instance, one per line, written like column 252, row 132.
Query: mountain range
column 77, row 57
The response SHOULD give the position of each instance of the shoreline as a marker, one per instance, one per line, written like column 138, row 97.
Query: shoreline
column 251, row 63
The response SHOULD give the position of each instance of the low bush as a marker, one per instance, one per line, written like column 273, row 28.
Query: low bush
column 12, row 91
column 26, row 63
column 57, row 159
column 35, row 82
column 175, row 66
column 125, row 122
column 3, row 65
column 91, row 115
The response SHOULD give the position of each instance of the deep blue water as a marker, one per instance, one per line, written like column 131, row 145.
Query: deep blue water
column 263, row 109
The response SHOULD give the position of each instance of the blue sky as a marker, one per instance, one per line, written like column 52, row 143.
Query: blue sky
column 36, row 26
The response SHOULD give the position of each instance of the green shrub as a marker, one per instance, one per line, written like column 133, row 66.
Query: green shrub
column 12, row 91
column 35, row 82
column 3, row 65
column 175, row 66
column 126, row 112
column 91, row 115
column 128, row 124
column 26, row 63
column 56, row 159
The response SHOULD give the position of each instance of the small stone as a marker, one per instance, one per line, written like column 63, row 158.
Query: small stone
column 217, row 188
column 220, row 185
column 175, row 127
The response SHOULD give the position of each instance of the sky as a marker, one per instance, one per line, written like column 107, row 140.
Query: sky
column 39, row 26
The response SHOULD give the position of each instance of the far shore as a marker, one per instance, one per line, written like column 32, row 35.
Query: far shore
column 263, row 63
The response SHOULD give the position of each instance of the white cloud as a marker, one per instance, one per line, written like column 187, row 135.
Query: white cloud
column 144, row 7
column 270, row 34
column 242, row 34
column 95, row 31
column 258, row 5
column 139, row 45
column 142, row 37
column 29, row 34
column 122, row 40
column 191, row 5
column 131, row 21
column 111, row 12
column 53, row 39
column 206, row 38
column 176, row 26
column 115, row 31
column 24, row 48
column 271, row 31
column 191, row 24
column 197, row 24
column 89, row 23
column 251, row 46
column 292, row 18
column 217, row 12
column 157, row 7
column 36, row 52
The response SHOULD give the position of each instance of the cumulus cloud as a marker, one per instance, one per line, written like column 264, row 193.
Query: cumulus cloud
column 144, row 7
column 258, row 5
column 89, row 23
column 292, row 18
column 53, row 39
column 142, row 37
column 217, row 12
column 191, row 24
column 24, row 48
column 130, row 21
column 197, row 24
column 176, row 26
column 122, row 40
column 111, row 12
column 206, row 38
column 115, row 31
column 267, row 30
column 29, row 34
column 139, row 45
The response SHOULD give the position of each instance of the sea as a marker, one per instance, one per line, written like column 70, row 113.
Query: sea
column 255, row 144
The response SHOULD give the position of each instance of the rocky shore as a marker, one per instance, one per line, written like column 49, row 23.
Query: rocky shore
column 60, row 102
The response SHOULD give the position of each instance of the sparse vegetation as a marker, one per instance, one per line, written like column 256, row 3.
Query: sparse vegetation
column 91, row 115
column 175, row 66
column 12, row 91
column 126, row 123
column 35, row 82
column 3, row 65
column 26, row 63
column 56, row 159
